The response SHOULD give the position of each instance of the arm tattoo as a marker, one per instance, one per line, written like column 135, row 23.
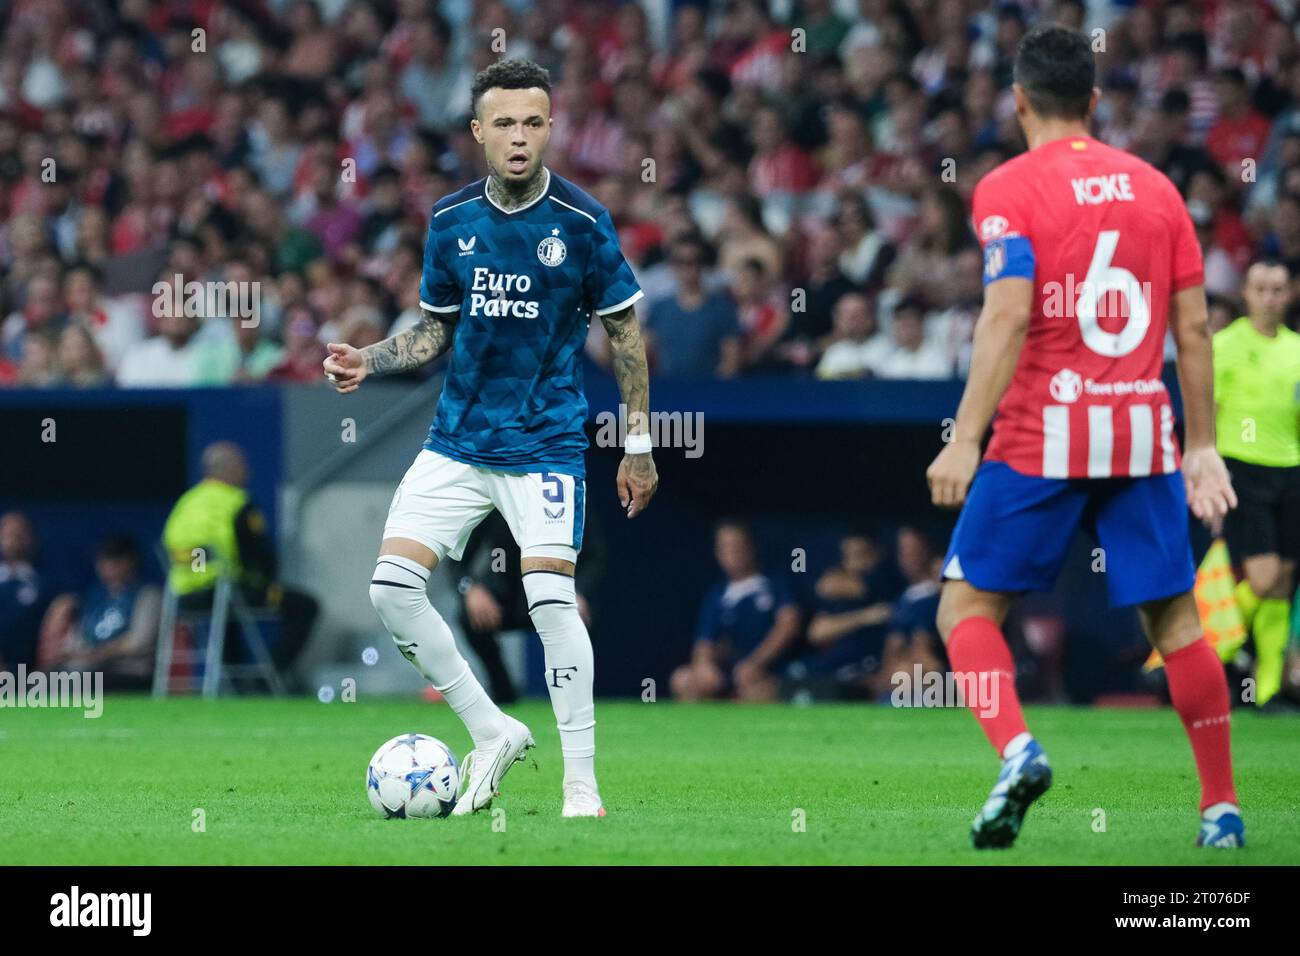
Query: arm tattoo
column 430, row 337
column 630, row 368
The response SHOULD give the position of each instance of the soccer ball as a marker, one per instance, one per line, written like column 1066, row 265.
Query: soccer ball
column 413, row 775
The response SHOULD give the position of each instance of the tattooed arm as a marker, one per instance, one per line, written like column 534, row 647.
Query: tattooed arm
column 637, row 478
column 347, row 367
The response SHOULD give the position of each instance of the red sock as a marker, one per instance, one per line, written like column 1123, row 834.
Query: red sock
column 1199, row 692
column 976, row 646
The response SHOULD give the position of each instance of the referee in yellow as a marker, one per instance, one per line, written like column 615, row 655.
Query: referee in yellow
column 1257, row 390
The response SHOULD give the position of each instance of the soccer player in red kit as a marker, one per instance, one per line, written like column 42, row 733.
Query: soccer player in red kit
column 1089, row 256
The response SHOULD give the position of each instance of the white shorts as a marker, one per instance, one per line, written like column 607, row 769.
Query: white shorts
column 440, row 502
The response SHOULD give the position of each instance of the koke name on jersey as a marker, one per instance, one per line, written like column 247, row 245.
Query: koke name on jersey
column 1095, row 190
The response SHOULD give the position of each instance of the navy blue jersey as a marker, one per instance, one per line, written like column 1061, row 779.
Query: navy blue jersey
column 742, row 612
column 521, row 287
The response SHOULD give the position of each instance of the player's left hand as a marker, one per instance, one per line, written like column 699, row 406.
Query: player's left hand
column 1209, row 486
column 637, row 482
column 951, row 473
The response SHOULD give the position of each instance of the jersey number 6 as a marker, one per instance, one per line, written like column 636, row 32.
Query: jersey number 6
column 1104, row 278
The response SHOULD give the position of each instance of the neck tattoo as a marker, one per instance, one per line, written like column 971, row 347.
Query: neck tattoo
column 512, row 196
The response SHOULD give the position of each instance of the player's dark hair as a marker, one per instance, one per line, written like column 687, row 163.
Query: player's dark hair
column 1055, row 68
column 514, row 74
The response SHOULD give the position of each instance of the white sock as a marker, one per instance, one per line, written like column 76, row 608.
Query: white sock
column 553, row 606
column 398, row 593
column 1017, row 743
column 1219, row 809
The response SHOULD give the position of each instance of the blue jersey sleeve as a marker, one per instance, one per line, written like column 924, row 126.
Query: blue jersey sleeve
column 609, row 283
column 439, row 290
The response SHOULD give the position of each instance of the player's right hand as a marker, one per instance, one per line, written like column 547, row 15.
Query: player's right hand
column 951, row 473
column 345, row 367
column 1209, row 486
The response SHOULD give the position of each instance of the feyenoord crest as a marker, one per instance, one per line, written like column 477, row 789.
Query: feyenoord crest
column 551, row 250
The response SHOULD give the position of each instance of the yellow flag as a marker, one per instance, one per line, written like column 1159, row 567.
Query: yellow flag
column 1216, row 604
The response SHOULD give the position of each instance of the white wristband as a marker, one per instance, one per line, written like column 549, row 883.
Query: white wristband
column 638, row 445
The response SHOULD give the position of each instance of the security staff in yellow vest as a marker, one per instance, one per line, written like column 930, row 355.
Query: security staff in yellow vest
column 215, row 527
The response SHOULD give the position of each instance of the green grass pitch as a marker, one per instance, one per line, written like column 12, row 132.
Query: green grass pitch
column 282, row 782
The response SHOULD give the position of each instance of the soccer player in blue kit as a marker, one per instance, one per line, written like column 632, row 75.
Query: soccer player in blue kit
column 514, row 266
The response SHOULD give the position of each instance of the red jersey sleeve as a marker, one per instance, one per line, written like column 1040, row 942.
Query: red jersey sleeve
column 995, row 210
column 1003, row 231
column 1188, row 266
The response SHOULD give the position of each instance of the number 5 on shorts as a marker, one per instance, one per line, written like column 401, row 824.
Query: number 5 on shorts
column 555, row 494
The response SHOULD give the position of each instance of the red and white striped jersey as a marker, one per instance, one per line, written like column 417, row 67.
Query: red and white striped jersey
column 1106, row 240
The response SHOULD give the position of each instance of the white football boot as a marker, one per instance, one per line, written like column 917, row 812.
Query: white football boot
column 485, row 766
column 582, row 800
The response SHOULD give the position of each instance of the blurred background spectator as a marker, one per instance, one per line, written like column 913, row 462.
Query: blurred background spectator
column 23, row 598
column 214, row 529
column 112, row 628
column 748, row 624
column 300, row 145
column 846, row 636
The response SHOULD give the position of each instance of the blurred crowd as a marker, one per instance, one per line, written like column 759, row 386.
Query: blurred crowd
column 791, row 180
